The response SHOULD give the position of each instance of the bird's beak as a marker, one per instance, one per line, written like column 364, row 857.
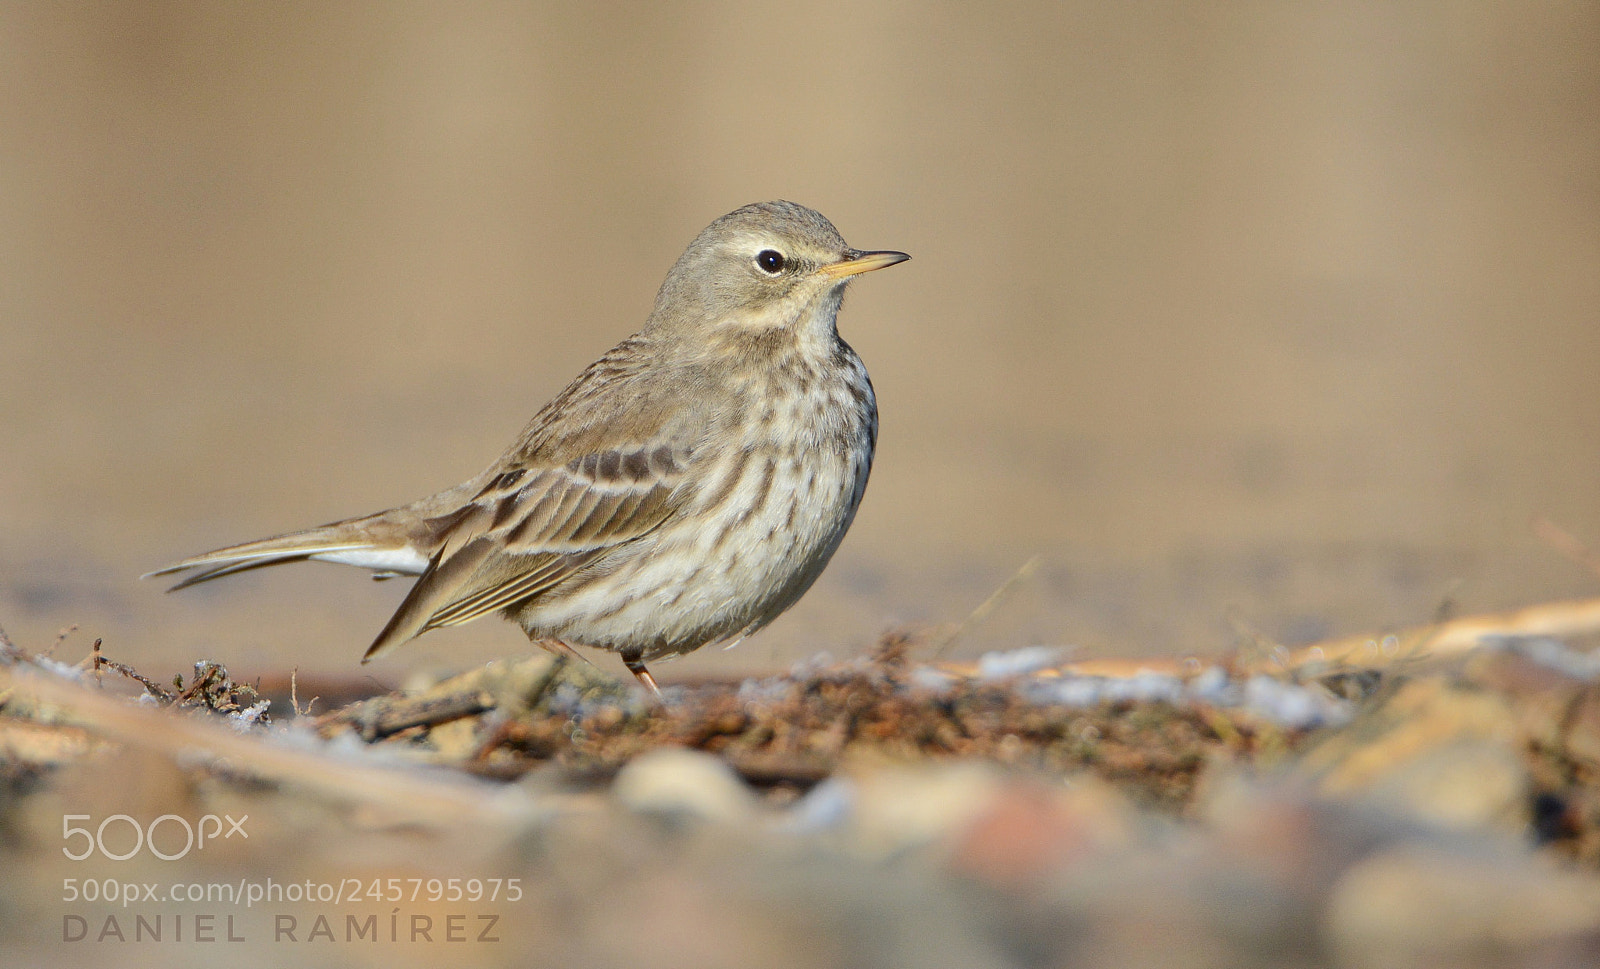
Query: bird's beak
column 856, row 262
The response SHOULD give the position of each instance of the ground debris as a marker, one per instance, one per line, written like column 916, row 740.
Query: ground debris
column 210, row 688
column 1415, row 733
column 787, row 733
column 1403, row 811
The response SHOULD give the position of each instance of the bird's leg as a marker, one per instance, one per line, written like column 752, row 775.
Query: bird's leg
column 634, row 661
column 560, row 648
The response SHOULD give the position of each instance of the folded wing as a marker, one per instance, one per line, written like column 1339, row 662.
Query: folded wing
column 529, row 530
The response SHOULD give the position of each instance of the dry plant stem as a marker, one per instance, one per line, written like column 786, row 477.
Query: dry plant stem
column 389, row 718
column 294, row 695
column 150, row 686
column 407, row 796
column 61, row 637
column 987, row 607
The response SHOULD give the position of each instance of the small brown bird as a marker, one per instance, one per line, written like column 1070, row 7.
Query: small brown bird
column 685, row 489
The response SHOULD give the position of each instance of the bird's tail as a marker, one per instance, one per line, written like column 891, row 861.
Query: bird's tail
column 373, row 542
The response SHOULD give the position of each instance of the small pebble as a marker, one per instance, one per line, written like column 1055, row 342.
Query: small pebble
column 683, row 784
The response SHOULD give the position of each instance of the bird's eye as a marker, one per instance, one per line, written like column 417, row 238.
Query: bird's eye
column 770, row 261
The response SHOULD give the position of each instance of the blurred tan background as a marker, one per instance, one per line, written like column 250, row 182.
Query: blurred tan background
column 1277, row 311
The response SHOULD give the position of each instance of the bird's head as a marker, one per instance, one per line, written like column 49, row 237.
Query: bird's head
column 769, row 266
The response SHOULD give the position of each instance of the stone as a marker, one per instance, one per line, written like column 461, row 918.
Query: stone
column 680, row 784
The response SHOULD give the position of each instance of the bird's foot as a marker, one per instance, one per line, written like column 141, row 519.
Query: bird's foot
column 636, row 667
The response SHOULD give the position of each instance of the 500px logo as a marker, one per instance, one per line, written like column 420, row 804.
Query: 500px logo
column 194, row 835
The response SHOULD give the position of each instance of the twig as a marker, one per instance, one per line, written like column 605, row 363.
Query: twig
column 294, row 695
column 61, row 637
column 150, row 686
column 382, row 717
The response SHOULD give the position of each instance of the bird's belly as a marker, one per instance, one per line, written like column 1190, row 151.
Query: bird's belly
column 758, row 540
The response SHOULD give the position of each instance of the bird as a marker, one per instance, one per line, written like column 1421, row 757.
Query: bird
column 685, row 489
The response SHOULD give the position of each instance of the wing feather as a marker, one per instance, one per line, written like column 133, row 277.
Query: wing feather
column 520, row 586
column 523, row 535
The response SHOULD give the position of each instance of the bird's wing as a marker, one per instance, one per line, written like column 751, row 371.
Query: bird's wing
column 530, row 528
